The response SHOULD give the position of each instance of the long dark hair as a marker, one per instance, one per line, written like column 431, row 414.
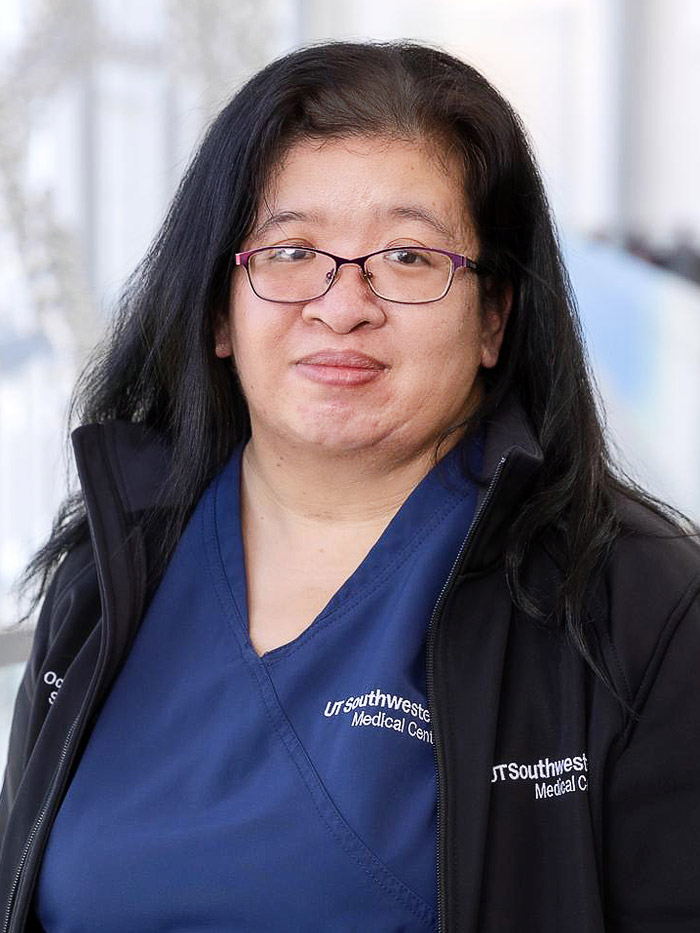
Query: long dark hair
column 157, row 364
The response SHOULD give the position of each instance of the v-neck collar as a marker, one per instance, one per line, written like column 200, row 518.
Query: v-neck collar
column 443, row 488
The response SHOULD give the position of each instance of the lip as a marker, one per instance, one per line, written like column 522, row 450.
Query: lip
column 346, row 359
column 340, row 367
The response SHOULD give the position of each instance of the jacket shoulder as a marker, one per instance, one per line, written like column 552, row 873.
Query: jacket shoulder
column 652, row 776
column 74, row 579
column 73, row 594
column 650, row 586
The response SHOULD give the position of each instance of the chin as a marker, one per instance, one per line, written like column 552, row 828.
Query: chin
column 337, row 437
column 335, row 427
column 337, row 441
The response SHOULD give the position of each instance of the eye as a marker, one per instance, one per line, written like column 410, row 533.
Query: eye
column 290, row 254
column 405, row 256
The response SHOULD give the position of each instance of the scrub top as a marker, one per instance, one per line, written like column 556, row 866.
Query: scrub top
column 224, row 791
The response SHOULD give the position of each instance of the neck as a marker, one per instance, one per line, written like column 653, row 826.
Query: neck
column 298, row 488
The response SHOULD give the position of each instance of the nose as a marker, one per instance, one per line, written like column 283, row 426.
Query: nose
column 348, row 304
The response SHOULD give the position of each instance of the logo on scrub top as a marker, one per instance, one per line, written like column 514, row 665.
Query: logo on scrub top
column 384, row 711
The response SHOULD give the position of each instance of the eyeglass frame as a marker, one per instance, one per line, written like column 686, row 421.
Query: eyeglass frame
column 457, row 261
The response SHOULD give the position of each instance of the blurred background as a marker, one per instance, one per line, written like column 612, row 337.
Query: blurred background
column 103, row 101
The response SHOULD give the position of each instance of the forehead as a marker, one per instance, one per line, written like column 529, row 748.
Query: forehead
column 367, row 183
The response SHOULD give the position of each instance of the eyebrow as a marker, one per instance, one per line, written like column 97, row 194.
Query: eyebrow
column 405, row 212
column 281, row 217
column 426, row 217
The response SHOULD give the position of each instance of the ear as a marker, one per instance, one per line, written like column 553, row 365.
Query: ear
column 494, row 326
column 222, row 336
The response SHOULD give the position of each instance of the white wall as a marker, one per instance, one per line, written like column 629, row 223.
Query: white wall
column 661, row 183
column 556, row 61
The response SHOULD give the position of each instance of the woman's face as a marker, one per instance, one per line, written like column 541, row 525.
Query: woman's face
column 350, row 372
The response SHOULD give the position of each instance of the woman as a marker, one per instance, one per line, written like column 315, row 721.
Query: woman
column 352, row 625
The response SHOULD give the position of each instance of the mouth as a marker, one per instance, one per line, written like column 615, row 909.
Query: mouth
column 340, row 367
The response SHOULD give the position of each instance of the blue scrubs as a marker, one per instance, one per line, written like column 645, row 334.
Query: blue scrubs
column 223, row 791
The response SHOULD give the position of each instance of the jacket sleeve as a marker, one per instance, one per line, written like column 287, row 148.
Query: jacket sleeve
column 652, row 861
column 17, row 749
column 72, row 581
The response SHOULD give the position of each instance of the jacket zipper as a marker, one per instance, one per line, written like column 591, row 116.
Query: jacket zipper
column 437, row 746
column 37, row 823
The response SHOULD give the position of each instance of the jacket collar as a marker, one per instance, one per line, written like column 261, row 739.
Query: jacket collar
column 509, row 432
column 137, row 457
column 512, row 460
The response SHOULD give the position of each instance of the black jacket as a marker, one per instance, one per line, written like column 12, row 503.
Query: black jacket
column 558, row 811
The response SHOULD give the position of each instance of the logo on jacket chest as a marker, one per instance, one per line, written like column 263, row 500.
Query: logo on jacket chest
column 549, row 777
column 55, row 682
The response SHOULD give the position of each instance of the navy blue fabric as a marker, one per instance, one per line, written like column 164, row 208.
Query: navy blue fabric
column 223, row 791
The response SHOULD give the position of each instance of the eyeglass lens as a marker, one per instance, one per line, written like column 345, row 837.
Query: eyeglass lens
column 404, row 274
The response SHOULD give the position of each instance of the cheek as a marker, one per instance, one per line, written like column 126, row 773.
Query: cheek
column 449, row 359
column 258, row 341
column 453, row 345
column 243, row 345
column 439, row 379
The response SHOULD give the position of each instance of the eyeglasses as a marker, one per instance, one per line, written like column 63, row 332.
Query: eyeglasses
column 406, row 274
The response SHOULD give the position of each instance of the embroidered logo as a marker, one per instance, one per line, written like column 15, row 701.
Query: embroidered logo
column 552, row 777
column 384, row 711
column 53, row 680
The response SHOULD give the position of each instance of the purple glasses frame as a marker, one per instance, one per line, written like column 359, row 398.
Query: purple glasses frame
column 457, row 262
